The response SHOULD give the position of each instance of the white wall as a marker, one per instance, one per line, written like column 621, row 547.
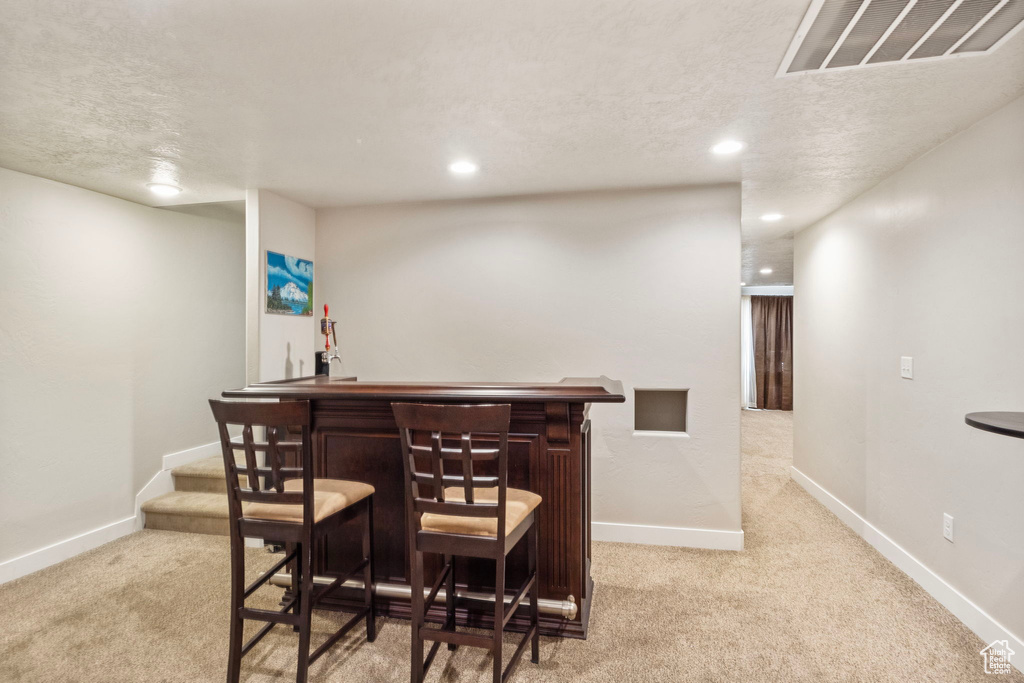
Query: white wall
column 640, row 286
column 767, row 290
column 278, row 346
column 117, row 322
column 927, row 264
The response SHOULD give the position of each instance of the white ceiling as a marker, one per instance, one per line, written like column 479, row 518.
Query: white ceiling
column 332, row 102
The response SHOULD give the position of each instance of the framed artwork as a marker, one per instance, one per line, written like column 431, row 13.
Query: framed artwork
column 289, row 285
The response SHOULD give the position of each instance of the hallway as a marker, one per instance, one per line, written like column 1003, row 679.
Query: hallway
column 807, row 600
column 852, row 614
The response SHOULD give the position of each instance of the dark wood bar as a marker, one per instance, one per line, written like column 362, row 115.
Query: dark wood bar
column 355, row 437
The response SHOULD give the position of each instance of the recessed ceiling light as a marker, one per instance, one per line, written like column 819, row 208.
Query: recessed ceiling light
column 463, row 167
column 766, row 271
column 163, row 189
column 743, row 284
column 771, row 217
column 727, row 147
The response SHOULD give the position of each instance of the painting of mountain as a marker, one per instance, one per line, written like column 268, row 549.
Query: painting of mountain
column 289, row 285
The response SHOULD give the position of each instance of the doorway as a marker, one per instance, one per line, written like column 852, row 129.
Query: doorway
column 766, row 337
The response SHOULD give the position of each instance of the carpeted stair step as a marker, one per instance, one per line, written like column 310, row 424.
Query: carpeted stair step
column 206, row 476
column 192, row 511
column 202, row 476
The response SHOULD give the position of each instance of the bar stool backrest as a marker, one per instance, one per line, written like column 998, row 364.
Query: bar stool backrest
column 438, row 434
column 285, row 458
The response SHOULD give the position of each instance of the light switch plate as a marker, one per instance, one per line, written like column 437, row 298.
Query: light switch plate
column 947, row 527
column 906, row 367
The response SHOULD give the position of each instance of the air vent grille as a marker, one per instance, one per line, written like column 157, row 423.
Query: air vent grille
column 845, row 34
column 909, row 30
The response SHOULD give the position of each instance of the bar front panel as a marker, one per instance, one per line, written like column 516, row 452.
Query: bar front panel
column 359, row 440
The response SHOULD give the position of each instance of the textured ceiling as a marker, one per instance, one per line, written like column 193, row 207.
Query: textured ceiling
column 333, row 102
column 767, row 251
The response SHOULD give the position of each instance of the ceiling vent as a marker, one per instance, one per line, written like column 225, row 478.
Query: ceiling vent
column 846, row 34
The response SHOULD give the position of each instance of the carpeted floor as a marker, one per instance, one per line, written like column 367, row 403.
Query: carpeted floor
column 806, row 601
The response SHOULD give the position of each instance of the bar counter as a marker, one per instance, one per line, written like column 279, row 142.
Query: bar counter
column 355, row 437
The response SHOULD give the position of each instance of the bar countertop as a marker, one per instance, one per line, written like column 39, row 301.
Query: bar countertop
column 569, row 390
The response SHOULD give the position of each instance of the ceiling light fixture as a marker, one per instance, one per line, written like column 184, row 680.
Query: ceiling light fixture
column 163, row 189
column 463, row 167
column 743, row 284
column 766, row 271
column 771, row 217
column 727, row 147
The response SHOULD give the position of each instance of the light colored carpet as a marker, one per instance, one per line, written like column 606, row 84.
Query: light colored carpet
column 806, row 601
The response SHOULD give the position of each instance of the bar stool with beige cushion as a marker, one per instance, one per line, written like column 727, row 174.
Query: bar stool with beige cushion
column 284, row 503
column 459, row 514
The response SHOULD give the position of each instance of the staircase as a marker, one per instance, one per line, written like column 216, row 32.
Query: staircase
column 198, row 503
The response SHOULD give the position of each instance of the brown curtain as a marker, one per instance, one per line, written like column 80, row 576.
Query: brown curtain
column 772, row 322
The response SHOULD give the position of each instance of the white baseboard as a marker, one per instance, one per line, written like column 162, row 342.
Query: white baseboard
column 711, row 539
column 63, row 550
column 975, row 618
column 172, row 460
column 162, row 482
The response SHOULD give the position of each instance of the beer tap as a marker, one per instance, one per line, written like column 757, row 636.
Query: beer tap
column 327, row 329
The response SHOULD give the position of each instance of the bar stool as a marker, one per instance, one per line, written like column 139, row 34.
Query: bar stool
column 462, row 516
column 284, row 503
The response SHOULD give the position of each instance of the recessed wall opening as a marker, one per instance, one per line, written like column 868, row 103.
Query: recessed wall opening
column 660, row 410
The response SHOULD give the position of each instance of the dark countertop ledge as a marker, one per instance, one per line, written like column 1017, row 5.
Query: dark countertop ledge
column 569, row 390
column 1005, row 423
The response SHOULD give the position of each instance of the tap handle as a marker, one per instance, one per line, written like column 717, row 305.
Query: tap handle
column 327, row 329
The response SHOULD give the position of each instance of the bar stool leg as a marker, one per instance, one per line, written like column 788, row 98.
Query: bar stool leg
column 499, row 615
column 293, row 570
column 305, row 609
column 449, row 602
column 417, row 614
column 237, row 596
column 531, row 544
column 371, row 615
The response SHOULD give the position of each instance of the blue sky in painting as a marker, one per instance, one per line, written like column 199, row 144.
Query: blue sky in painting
column 282, row 270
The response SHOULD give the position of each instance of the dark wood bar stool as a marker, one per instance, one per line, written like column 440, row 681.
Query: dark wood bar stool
column 464, row 514
column 284, row 503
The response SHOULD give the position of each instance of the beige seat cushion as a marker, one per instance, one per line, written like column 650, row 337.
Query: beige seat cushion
column 518, row 505
column 329, row 496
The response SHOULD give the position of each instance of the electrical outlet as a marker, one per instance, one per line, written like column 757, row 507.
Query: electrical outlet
column 906, row 367
column 947, row 527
